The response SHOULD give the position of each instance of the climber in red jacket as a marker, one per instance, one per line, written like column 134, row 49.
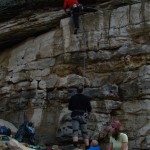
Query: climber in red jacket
column 73, row 7
column 70, row 3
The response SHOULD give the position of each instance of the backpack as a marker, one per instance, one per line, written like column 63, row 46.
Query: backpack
column 26, row 133
column 29, row 128
column 5, row 131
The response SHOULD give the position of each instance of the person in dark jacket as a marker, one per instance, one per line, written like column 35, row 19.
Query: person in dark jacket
column 73, row 7
column 80, row 106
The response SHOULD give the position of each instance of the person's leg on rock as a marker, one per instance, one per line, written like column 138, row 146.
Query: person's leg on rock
column 75, row 127
column 85, row 135
column 75, row 16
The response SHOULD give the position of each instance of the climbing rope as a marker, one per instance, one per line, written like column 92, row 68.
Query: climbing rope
column 84, row 57
column 84, row 63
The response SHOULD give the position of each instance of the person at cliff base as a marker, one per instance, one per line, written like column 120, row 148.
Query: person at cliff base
column 94, row 145
column 73, row 8
column 80, row 106
column 117, row 140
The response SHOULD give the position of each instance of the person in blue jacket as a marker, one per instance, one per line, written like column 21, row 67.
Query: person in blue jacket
column 94, row 145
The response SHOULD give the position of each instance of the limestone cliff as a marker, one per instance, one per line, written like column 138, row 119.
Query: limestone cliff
column 110, row 55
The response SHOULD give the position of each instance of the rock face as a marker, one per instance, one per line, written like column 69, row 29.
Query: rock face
column 10, row 8
column 110, row 55
column 37, row 16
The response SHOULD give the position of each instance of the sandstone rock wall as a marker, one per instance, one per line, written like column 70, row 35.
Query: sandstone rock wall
column 110, row 55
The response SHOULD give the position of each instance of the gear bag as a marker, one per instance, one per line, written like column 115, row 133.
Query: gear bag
column 5, row 131
column 26, row 133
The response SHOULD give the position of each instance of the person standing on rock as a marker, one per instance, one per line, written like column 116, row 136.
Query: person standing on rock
column 118, row 140
column 80, row 106
column 73, row 7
